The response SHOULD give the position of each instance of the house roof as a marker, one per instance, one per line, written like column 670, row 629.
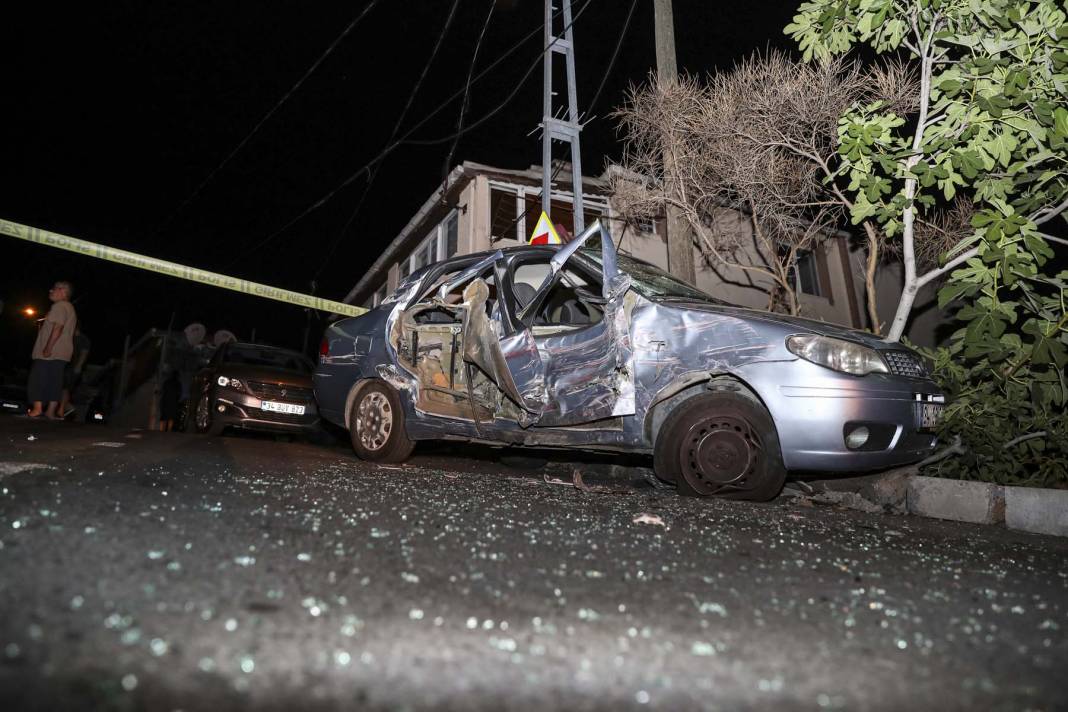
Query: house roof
column 440, row 202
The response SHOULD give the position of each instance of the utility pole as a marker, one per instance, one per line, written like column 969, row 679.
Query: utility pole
column 679, row 242
column 568, row 129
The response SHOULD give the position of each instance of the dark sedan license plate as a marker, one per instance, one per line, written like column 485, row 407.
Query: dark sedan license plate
column 930, row 415
column 287, row 408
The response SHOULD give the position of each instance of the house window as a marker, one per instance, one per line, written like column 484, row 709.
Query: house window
column 427, row 252
column 515, row 211
column 503, row 222
column 380, row 295
column 805, row 274
column 452, row 234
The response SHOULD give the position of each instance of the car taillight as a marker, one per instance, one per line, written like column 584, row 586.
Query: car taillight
column 324, row 348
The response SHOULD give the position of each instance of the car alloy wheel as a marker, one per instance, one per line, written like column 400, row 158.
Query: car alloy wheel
column 374, row 420
column 376, row 424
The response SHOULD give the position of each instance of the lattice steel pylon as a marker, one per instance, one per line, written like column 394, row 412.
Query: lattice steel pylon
column 565, row 130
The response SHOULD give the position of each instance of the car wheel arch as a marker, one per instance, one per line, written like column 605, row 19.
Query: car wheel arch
column 672, row 396
column 354, row 391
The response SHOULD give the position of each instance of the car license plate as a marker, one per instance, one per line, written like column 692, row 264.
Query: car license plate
column 289, row 408
column 930, row 414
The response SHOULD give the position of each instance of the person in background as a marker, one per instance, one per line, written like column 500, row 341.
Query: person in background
column 169, row 397
column 52, row 352
column 72, row 375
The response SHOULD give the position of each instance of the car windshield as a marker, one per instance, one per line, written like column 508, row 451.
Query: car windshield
column 266, row 356
column 654, row 283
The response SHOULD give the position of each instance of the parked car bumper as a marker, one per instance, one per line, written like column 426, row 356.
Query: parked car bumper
column 241, row 410
column 814, row 415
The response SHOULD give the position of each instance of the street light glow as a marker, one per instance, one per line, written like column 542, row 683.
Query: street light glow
column 29, row 311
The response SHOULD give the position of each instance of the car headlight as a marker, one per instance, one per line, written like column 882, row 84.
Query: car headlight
column 837, row 354
column 230, row 382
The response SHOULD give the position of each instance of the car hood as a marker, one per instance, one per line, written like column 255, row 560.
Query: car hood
column 801, row 324
column 265, row 373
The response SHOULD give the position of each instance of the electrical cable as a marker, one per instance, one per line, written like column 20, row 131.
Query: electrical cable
column 466, row 101
column 393, row 134
column 396, row 128
column 404, row 139
column 269, row 114
column 596, row 96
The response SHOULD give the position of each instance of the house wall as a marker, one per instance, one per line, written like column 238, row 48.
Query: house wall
column 927, row 322
column 732, row 284
column 746, row 287
column 474, row 217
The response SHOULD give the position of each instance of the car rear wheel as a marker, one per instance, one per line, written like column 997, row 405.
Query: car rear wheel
column 376, row 425
column 722, row 444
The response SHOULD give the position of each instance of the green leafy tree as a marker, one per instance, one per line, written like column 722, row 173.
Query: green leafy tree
column 991, row 121
column 990, row 135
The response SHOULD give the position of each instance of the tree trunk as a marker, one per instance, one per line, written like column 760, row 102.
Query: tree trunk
column 908, row 216
column 869, row 278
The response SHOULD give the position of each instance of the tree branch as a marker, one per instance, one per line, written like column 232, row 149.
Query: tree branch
column 952, row 264
column 1051, row 238
column 1046, row 214
column 1022, row 438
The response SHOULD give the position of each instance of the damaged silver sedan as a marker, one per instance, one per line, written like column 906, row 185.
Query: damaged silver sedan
column 579, row 347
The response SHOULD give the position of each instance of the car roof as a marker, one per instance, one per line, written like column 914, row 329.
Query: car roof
column 247, row 345
column 471, row 258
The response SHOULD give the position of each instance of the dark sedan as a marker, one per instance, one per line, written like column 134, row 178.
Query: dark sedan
column 256, row 387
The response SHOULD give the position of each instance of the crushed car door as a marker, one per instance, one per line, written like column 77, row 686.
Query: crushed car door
column 482, row 347
column 586, row 351
column 576, row 375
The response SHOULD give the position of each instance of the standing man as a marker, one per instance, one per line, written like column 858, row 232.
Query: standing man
column 51, row 353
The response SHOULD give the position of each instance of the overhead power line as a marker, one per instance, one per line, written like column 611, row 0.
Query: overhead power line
column 393, row 134
column 405, row 138
column 596, row 96
column 269, row 114
column 607, row 72
column 466, row 101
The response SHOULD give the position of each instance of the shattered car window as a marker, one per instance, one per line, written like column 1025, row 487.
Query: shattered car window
column 567, row 303
column 654, row 283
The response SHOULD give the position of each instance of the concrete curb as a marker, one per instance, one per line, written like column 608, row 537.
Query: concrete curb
column 1042, row 511
column 959, row 500
column 1029, row 509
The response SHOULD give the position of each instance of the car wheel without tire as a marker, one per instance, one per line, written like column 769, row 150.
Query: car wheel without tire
column 722, row 444
column 376, row 425
column 203, row 420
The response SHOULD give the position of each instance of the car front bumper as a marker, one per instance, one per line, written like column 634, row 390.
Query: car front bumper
column 241, row 410
column 817, row 409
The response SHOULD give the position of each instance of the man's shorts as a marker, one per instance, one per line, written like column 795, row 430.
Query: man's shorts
column 46, row 381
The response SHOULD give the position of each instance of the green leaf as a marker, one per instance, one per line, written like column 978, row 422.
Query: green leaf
column 950, row 86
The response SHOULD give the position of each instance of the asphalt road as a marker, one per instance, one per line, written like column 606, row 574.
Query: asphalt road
column 165, row 571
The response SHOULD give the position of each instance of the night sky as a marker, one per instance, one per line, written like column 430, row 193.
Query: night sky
column 113, row 114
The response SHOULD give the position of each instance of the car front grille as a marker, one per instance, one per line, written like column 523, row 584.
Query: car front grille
column 905, row 363
column 275, row 392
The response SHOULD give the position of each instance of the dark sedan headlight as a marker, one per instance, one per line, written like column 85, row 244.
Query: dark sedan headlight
column 234, row 383
column 837, row 354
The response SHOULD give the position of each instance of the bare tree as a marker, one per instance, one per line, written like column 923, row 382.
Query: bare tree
column 761, row 138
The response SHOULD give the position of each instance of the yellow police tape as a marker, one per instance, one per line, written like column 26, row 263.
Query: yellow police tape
column 172, row 269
